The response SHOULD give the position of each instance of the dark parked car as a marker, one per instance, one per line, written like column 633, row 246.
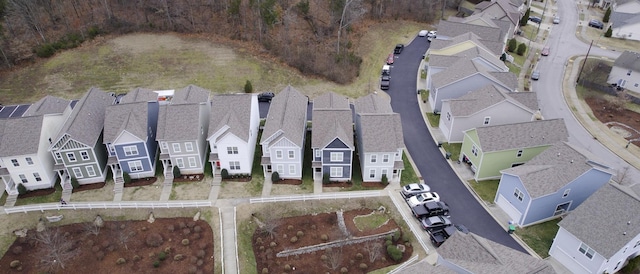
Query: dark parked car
column 535, row 19
column 411, row 190
column 596, row 24
column 385, row 82
column 398, row 49
column 430, row 209
column 265, row 96
column 438, row 236
column 435, row 222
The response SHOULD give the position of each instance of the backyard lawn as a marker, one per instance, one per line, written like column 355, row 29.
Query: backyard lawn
column 539, row 237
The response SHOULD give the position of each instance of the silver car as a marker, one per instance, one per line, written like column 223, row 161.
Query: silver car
column 414, row 189
column 535, row 75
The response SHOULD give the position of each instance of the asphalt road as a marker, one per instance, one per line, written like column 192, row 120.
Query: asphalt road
column 564, row 44
column 435, row 170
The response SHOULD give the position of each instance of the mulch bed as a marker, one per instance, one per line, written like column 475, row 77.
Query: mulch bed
column 189, row 178
column 288, row 182
column 88, row 187
column 237, row 179
column 607, row 112
column 141, row 182
column 37, row 193
column 371, row 185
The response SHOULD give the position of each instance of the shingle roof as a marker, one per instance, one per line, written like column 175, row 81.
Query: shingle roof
column 373, row 103
column 528, row 99
column 20, row 136
column 621, row 19
column 479, row 255
column 381, row 132
column 139, row 95
column 331, row 100
column 234, row 111
column 480, row 99
column 494, row 47
column 607, row 221
column 87, row 118
column 47, row 105
column 553, row 169
column 329, row 124
column 287, row 113
column 508, row 79
column 452, row 29
column 628, row 60
column 178, row 122
column 190, row 94
column 522, row 135
column 442, row 61
column 423, row 267
column 459, row 70
column 131, row 117
column 507, row 7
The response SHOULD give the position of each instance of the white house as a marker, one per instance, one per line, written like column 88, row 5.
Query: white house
column 233, row 132
column 283, row 137
column 625, row 19
column 626, row 71
column 602, row 234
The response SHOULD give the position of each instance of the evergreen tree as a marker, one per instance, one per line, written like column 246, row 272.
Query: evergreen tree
column 248, row 88
column 522, row 48
column 512, row 45
column 607, row 15
column 608, row 32
column 525, row 18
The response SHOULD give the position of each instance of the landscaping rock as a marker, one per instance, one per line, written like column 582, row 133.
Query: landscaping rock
column 99, row 222
column 21, row 233
column 196, row 217
column 15, row 264
column 151, row 218
column 178, row 257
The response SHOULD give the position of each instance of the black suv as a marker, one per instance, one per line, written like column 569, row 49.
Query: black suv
column 430, row 209
column 265, row 96
column 398, row 49
column 535, row 19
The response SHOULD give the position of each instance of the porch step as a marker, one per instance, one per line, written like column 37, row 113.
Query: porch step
column 118, row 187
column 168, row 181
column 11, row 200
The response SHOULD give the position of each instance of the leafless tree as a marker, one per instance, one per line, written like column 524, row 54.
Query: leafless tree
column 373, row 248
column 268, row 222
column 56, row 250
column 352, row 10
column 90, row 228
column 334, row 258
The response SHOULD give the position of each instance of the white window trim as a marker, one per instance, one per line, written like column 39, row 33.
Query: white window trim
column 384, row 171
column 83, row 153
column 373, row 158
column 130, row 150
column 588, row 251
column 318, row 153
column 519, row 153
column 292, row 169
column 176, row 147
column 76, row 171
column 37, row 176
column 232, row 150
column 192, row 162
column 90, row 171
column 372, row 173
column 291, row 154
column 336, row 171
column 188, row 146
column 566, row 193
column 280, row 169
column 71, row 155
column 180, row 162
column 23, row 178
column 29, row 161
column 15, row 162
column 518, row 194
column 385, row 158
column 135, row 166
column 58, row 155
column 279, row 154
column 487, row 120
column 165, row 146
column 234, row 165
column 337, row 157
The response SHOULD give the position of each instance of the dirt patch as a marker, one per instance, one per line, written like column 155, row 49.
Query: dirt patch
column 141, row 182
column 325, row 245
column 622, row 121
column 122, row 239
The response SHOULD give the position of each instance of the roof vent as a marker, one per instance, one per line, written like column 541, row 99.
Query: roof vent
column 572, row 161
column 624, row 233
column 628, row 222
column 558, row 154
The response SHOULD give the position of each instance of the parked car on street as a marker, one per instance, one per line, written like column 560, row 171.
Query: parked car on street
column 535, row 19
column 545, row 51
column 430, row 209
column 423, row 33
column 431, row 35
column 411, row 190
column 398, row 49
column 535, row 75
column 385, row 82
column 423, row 198
column 556, row 20
column 390, row 59
column 435, row 222
column 265, row 96
column 439, row 236
column 596, row 24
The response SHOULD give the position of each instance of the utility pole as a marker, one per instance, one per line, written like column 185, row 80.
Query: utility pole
column 584, row 62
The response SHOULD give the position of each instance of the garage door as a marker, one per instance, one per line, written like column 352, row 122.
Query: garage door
column 566, row 260
column 513, row 213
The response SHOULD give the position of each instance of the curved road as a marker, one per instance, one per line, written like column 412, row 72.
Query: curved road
column 435, row 170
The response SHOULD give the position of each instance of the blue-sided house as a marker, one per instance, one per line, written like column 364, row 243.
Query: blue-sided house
column 130, row 134
column 332, row 138
column 554, row 182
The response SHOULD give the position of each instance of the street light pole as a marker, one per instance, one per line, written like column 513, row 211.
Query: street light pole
column 584, row 62
column 542, row 17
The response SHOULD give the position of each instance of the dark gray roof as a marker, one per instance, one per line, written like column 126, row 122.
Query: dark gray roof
column 554, row 168
column 47, row 105
column 424, row 267
column 179, row 122
column 522, row 135
column 621, row 19
column 381, row 132
column 480, row 255
column 495, row 47
column 20, row 136
column 139, row 95
column 607, row 221
column 288, row 114
column 466, row 67
column 628, row 60
column 479, row 51
column 232, row 111
column 510, row 10
column 329, row 124
column 373, row 103
column 331, row 100
column 130, row 117
column 190, row 94
column 528, row 99
column 508, row 79
column 87, row 118
column 481, row 99
column 452, row 29
column 443, row 61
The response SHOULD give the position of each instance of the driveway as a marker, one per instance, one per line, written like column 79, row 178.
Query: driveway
column 435, row 170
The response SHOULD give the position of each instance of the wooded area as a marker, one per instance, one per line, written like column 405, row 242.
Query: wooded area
column 314, row 36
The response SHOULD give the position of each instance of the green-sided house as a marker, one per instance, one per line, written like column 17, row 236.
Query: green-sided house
column 488, row 150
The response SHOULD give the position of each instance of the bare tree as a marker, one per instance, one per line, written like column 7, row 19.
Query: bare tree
column 334, row 257
column 268, row 223
column 56, row 249
column 123, row 236
column 373, row 248
column 90, row 228
column 352, row 10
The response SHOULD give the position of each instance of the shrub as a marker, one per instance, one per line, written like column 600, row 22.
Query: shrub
column 197, row 228
column 162, row 256
column 324, row 237
column 265, row 270
column 607, row 15
column 120, row 261
column 275, row 176
column 224, row 174
column 359, row 256
column 293, row 239
column 74, row 182
column 200, row 253
column 176, row 172
column 156, row 263
column 45, row 50
column 287, row 267
column 394, row 253
column 178, row 257
column 154, row 240
column 15, row 264
column 17, row 250
column 388, row 242
column 171, row 228
column 93, row 31
column 609, row 32
column 126, row 177
column 22, row 189
column 344, row 270
column 512, row 45
column 385, row 180
column 396, row 235
column 363, row 266
column 525, row 18
column 326, row 179
column 631, row 266
column 185, row 242
column 299, row 233
column 522, row 48
column 248, row 88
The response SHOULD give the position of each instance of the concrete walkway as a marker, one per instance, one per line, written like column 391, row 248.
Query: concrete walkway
column 229, row 239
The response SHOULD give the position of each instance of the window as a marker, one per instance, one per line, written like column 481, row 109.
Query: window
column 586, row 250
column 188, row 146
column 176, row 147
column 71, row 157
column 318, row 153
column 37, row 176
column 374, row 158
column 518, row 194
column 384, row 172
column 90, row 171
column 278, row 154
column 385, row 158
column 58, row 156
column 180, row 162
column 292, row 169
column 15, row 162
column 29, row 161
column 112, row 149
column 85, row 155
column 23, row 178
column 487, row 120
column 637, row 244
column 192, row 162
column 629, row 73
column 77, row 172
column 336, row 171
column 232, row 150
column 617, row 265
column 130, row 150
column 135, row 166
column 474, row 150
column 448, row 116
column 372, row 173
column 519, row 153
column 337, row 156
column 566, row 193
column 165, row 146
column 280, row 169
column 292, row 154
column 234, row 165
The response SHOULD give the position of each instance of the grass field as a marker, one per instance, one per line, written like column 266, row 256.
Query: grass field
column 539, row 237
